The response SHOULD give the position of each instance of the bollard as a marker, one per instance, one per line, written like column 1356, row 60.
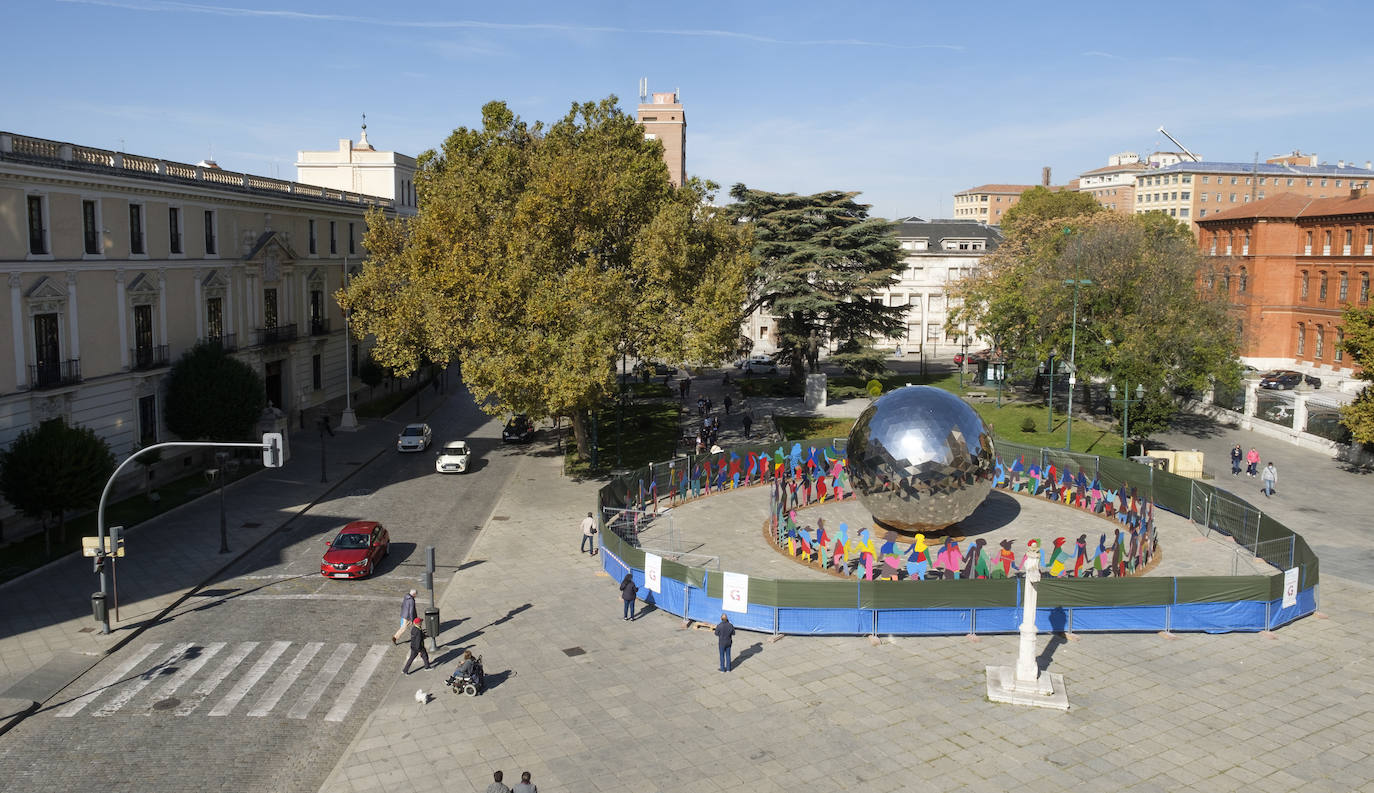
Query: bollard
column 99, row 610
column 432, row 626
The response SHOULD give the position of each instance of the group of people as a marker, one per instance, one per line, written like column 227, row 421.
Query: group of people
column 411, row 621
column 523, row 786
column 1268, row 477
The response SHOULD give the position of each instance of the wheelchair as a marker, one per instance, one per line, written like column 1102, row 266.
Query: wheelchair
column 471, row 684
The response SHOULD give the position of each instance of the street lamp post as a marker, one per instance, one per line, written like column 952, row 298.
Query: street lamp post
column 1073, row 351
column 1049, row 392
column 1126, row 403
column 222, row 458
column 349, row 420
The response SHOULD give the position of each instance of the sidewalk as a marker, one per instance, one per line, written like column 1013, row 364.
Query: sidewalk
column 47, row 635
column 586, row 702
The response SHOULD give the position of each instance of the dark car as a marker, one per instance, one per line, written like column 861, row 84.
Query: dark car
column 1288, row 379
column 356, row 551
column 518, row 430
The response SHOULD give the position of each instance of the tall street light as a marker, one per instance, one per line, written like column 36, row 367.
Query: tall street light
column 222, row 458
column 1049, row 391
column 349, row 420
column 1073, row 350
column 1126, row 403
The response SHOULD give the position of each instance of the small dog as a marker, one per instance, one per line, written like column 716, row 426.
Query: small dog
column 421, row 696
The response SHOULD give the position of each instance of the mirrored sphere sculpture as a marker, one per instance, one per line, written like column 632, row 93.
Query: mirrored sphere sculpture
column 920, row 459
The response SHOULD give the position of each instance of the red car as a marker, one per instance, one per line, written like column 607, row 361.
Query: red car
column 356, row 551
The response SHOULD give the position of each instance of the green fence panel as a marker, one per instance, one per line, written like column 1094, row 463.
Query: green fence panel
column 1105, row 592
column 691, row 576
column 1224, row 589
column 763, row 591
column 818, row 594
column 956, row 594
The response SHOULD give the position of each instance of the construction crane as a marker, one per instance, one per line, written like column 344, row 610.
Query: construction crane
column 1180, row 145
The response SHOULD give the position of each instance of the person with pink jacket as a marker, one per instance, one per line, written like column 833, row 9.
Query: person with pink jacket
column 1252, row 459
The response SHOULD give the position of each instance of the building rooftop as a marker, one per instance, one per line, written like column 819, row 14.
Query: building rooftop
column 70, row 156
column 1015, row 189
column 939, row 229
column 1293, row 206
column 1265, row 169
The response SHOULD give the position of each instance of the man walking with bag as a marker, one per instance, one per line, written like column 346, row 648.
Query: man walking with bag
column 588, row 535
column 407, row 616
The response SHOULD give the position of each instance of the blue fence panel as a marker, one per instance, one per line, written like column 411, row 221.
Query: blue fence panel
column 1307, row 603
column 998, row 620
column 702, row 608
column 935, row 622
column 1120, row 618
column 822, row 621
column 613, row 566
column 708, row 609
column 1244, row 615
column 673, row 598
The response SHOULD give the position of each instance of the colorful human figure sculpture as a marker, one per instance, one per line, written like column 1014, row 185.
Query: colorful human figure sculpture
column 1080, row 555
column 1006, row 559
column 918, row 559
column 1057, row 563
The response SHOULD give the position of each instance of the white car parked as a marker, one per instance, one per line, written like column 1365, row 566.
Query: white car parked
column 453, row 458
column 414, row 438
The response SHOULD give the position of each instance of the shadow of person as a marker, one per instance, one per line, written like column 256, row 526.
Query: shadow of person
column 495, row 679
column 748, row 652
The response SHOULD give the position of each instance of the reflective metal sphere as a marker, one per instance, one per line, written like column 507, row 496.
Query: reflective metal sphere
column 920, row 458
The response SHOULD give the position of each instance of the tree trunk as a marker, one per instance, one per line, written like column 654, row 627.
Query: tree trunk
column 579, row 425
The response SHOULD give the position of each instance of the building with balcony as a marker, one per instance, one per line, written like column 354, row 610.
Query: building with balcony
column 118, row 263
column 1290, row 264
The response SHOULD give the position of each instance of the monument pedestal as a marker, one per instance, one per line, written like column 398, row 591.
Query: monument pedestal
column 1044, row 691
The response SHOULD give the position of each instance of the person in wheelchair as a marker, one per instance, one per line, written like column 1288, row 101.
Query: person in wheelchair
column 468, row 675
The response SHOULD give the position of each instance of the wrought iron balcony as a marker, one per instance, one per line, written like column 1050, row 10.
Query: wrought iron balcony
column 53, row 374
column 319, row 326
column 278, row 335
column 150, row 357
column 227, row 341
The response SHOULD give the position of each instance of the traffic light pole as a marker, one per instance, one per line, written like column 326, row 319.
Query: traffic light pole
column 268, row 446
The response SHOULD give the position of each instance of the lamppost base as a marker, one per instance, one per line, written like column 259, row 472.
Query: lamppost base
column 1046, row 691
column 349, row 421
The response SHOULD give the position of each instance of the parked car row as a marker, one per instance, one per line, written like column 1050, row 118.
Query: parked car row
column 1287, row 379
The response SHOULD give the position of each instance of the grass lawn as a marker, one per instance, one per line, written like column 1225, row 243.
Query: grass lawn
column 650, row 434
column 798, row 427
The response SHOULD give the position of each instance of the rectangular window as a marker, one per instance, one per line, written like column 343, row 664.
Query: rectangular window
column 147, row 420
column 269, row 308
column 1233, row 198
column 933, row 332
column 1321, row 342
column 90, row 227
column 143, row 336
column 210, row 247
column 174, row 229
column 1364, row 287
column 1186, row 195
column 1290, row 183
column 1302, row 339
column 1202, row 213
column 311, row 237
column 1183, row 213
column 1233, row 180
column 1307, row 247
column 1339, row 352
column 214, row 318
column 333, row 245
column 1326, row 242
column 38, row 232
column 1202, row 196
column 316, row 375
column 47, row 351
column 1206, row 179
column 136, row 229
column 351, row 247
column 1368, row 242
column 1349, row 241
column 1305, row 281
column 1261, row 195
column 1345, row 287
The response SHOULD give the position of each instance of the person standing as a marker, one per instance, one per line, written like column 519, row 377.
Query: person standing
column 525, row 785
column 407, row 615
column 1236, row 455
column 748, row 421
column 1270, row 478
column 1252, row 462
column 497, row 786
column 627, row 594
column 725, row 635
column 727, row 402
column 417, row 646
column 588, row 535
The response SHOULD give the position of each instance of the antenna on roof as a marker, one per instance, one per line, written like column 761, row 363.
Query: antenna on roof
column 643, row 89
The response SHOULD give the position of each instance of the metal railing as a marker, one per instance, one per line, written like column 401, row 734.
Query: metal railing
column 54, row 374
column 277, row 335
column 227, row 341
column 150, row 357
column 319, row 326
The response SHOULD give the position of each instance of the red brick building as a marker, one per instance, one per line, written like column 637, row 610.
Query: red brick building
column 1291, row 264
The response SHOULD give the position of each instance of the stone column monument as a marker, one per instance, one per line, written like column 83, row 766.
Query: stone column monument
column 1023, row 684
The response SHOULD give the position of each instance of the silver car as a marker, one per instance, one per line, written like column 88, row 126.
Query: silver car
column 453, row 458
column 414, row 438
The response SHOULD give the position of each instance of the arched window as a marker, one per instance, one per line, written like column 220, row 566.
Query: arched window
column 1345, row 287
column 1304, row 284
column 1364, row 287
column 1302, row 339
column 1230, row 242
column 1321, row 341
column 1213, row 251
column 1226, row 280
column 1339, row 352
column 1244, row 281
column 1245, row 245
column 1210, row 279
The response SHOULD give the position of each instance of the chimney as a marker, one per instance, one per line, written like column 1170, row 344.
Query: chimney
column 1045, row 176
column 1367, row 164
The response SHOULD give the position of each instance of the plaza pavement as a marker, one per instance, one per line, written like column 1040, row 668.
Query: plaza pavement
column 587, row 702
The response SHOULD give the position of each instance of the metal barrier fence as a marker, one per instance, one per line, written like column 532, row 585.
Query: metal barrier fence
column 1193, row 603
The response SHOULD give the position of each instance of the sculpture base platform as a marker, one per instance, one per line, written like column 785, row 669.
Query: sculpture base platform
column 348, row 422
column 1046, row 691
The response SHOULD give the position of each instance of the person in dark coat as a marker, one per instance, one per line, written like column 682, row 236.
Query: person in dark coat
column 627, row 594
column 748, row 421
column 725, row 635
column 417, row 645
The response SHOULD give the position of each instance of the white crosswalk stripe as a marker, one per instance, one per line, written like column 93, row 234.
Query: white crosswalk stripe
column 282, row 676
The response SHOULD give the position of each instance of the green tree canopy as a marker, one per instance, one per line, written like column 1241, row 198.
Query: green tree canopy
column 817, row 258
column 540, row 255
column 52, row 469
column 1042, row 204
column 212, row 395
column 1142, row 319
column 1358, row 416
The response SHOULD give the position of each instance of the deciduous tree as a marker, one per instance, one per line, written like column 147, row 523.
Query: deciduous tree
column 212, row 395
column 1358, row 416
column 52, row 469
column 817, row 260
column 540, row 255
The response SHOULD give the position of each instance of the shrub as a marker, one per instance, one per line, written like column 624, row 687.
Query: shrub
column 1028, row 424
column 875, row 388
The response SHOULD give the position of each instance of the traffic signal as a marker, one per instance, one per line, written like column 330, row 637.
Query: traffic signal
column 271, row 449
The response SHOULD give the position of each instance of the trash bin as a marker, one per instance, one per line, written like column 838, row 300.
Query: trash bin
column 99, row 610
column 432, row 624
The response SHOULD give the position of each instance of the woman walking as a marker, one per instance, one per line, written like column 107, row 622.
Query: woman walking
column 1252, row 459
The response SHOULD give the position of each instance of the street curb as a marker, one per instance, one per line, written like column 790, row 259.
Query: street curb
column 13, row 711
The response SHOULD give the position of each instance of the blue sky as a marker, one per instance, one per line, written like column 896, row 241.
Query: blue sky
column 905, row 102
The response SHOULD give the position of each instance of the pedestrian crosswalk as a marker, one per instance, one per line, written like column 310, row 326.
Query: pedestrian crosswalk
column 219, row 679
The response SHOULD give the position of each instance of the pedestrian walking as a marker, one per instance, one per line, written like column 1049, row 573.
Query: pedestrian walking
column 588, row 535
column 525, row 786
column 1270, row 478
column 627, row 594
column 727, row 402
column 417, row 645
column 686, row 384
column 497, row 786
column 407, row 614
column 748, row 421
column 1252, row 459
column 725, row 634
column 1236, row 456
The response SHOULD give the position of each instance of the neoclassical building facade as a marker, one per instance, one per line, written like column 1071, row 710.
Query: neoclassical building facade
column 116, row 264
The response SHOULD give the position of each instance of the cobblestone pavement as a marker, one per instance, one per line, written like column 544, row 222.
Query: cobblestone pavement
column 587, row 702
